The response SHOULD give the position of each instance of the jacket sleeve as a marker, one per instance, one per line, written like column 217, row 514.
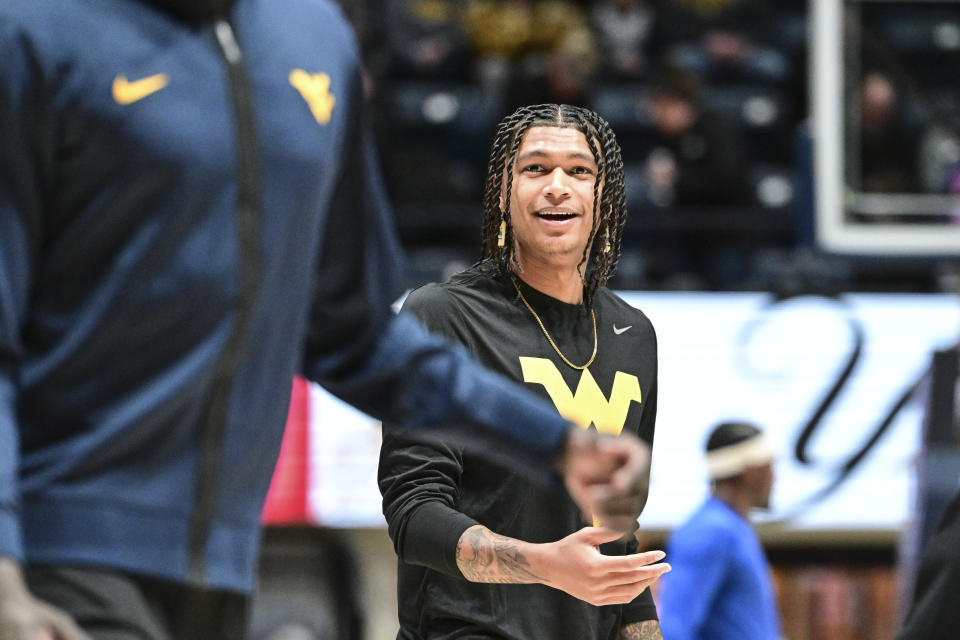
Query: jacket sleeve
column 24, row 131
column 419, row 479
column 390, row 366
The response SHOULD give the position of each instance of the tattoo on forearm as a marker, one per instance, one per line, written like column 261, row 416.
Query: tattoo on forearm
column 646, row 630
column 484, row 556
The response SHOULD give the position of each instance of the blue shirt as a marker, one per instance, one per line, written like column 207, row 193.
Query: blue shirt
column 720, row 585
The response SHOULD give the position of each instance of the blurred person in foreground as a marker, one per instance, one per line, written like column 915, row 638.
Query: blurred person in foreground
column 483, row 552
column 190, row 213
column 934, row 609
column 720, row 587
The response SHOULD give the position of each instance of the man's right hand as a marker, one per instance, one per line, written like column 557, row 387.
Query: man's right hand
column 607, row 476
column 23, row 617
column 576, row 566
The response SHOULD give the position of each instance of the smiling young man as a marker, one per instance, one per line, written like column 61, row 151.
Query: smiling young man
column 483, row 552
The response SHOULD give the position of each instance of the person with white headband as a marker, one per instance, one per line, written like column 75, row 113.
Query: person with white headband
column 720, row 587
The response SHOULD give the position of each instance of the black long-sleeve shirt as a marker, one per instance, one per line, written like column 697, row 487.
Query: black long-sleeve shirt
column 434, row 490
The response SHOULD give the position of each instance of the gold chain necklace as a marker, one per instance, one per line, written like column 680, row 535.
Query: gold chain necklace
column 553, row 344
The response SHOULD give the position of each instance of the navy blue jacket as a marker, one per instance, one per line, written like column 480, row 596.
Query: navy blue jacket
column 190, row 213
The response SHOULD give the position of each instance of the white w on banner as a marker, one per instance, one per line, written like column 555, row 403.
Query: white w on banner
column 828, row 379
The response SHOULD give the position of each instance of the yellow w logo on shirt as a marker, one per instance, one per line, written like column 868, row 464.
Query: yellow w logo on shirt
column 588, row 405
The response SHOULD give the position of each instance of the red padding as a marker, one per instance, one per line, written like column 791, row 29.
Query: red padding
column 287, row 498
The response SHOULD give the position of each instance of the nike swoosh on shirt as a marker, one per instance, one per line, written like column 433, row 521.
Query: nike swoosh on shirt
column 619, row 331
column 126, row 92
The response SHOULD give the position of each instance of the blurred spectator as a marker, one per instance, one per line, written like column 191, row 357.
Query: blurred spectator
column 542, row 50
column 623, row 29
column 720, row 587
column 426, row 38
column 696, row 158
column 888, row 148
column 724, row 40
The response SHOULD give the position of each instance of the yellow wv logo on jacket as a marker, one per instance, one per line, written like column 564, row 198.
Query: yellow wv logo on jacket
column 315, row 89
column 588, row 404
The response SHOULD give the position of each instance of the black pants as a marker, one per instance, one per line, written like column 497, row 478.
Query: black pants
column 935, row 611
column 111, row 605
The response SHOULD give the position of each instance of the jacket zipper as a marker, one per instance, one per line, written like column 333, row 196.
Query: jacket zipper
column 210, row 449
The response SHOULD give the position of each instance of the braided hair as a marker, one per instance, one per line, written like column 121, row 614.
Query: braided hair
column 609, row 204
